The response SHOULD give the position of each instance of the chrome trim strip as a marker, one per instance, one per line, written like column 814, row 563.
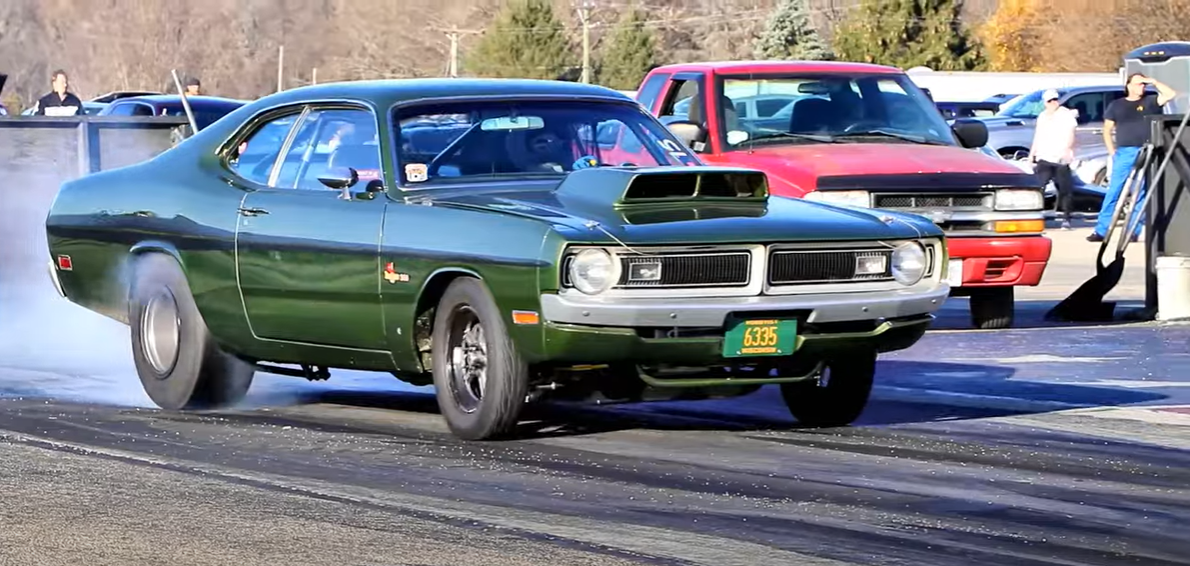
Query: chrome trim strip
column 54, row 278
column 713, row 312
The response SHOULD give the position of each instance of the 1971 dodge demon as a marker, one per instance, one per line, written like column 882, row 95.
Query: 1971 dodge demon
column 477, row 235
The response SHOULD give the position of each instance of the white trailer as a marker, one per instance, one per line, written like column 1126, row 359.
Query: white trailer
column 973, row 86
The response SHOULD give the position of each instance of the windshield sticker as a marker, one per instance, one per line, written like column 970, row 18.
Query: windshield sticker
column 416, row 172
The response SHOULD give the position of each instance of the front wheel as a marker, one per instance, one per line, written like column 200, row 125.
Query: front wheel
column 178, row 362
column 479, row 379
column 993, row 307
column 837, row 397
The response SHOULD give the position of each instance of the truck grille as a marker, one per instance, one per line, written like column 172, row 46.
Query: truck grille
column 788, row 267
column 964, row 201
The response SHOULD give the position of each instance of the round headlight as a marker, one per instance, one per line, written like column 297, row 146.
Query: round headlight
column 594, row 271
column 908, row 263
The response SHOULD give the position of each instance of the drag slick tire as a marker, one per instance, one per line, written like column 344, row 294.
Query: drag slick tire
column 178, row 362
column 479, row 379
column 837, row 396
column 992, row 308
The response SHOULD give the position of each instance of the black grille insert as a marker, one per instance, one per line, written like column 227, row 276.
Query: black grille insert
column 680, row 269
column 787, row 267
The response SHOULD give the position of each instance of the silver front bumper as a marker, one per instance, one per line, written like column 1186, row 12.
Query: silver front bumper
column 702, row 312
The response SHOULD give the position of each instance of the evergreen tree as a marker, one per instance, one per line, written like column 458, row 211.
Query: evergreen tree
column 525, row 41
column 630, row 53
column 909, row 33
column 789, row 34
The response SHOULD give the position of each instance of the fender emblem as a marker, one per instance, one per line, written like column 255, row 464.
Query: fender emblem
column 391, row 275
column 64, row 263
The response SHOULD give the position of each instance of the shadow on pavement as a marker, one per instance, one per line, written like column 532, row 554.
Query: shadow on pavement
column 955, row 314
column 922, row 392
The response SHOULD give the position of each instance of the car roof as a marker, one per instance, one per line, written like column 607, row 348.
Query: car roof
column 760, row 67
column 386, row 92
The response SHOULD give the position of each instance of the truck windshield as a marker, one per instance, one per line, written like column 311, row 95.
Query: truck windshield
column 477, row 140
column 829, row 108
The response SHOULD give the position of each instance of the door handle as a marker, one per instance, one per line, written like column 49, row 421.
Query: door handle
column 252, row 211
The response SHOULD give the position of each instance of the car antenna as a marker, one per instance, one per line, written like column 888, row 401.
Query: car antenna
column 594, row 225
column 185, row 103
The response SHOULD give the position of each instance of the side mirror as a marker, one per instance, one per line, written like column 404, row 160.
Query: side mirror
column 691, row 134
column 972, row 133
column 339, row 178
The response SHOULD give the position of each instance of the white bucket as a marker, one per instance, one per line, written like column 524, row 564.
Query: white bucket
column 1173, row 288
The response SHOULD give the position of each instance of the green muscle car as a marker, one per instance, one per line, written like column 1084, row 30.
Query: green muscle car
column 508, row 241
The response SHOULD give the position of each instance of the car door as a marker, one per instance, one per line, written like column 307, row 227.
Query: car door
column 306, row 257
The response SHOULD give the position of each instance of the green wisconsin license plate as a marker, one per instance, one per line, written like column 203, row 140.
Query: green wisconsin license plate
column 768, row 337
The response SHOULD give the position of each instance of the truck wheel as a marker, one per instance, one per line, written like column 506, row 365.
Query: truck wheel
column 992, row 308
column 178, row 362
column 837, row 397
column 479, row 379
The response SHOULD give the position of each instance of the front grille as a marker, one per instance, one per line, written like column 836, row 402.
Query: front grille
column 966, row 201
column 680, row 269
column 787, row 267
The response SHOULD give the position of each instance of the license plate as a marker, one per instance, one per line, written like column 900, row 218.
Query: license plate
column 954, row 273
column 768, row 337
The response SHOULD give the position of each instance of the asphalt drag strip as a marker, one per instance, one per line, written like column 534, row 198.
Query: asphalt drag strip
column 1049, row 446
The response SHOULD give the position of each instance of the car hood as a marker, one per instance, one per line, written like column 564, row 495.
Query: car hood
column 822, row 160
column 778, row 219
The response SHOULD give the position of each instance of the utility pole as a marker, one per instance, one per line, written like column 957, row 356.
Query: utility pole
column 584, row 16
column 453, row 34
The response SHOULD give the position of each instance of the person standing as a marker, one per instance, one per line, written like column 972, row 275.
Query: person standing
column 59, row 102
column 1127, row 119
column 1052, row 151
column 193, row 87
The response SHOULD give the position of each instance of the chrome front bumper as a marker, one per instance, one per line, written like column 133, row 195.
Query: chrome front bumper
column 713, row 312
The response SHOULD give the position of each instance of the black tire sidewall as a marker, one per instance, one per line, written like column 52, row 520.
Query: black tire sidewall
column 152, row 272
column 993, row 308
column 507, row 377
column 842, row 400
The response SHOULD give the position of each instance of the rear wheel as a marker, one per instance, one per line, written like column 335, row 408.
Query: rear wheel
column 837, row 397
column 993, row 307
column 479, row 379
column 178, row 362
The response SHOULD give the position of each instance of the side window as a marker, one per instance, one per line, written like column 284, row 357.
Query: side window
column 1089, row 106
column 684, row 102
column 332, row 138
column 255, row 156
column 651, row 89
column 122, row 109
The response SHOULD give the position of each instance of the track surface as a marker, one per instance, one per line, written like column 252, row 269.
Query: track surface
column 974, row 451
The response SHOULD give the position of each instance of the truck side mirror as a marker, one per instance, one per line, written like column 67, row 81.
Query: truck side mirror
column 972, row 133
column 691, row 134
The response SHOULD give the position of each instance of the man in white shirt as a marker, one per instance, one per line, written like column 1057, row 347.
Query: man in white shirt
column 1053, row 150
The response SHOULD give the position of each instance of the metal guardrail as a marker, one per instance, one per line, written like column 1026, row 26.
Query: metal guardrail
column 37, row 155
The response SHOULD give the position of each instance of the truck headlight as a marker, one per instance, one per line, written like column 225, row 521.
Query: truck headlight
column 847, row 198
column 1019, row 199
column 594, row 271
column 908, row 263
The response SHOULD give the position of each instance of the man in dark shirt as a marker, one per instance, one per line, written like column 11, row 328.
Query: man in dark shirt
column 1127, row 119
column 59, row 102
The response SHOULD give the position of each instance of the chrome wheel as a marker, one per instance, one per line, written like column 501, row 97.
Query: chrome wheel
column 160, row 332
column 468, row 359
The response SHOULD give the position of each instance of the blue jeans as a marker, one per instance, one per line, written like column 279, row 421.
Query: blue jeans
column 1121, row 164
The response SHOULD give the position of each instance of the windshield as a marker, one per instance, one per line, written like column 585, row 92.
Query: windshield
column 470, row 140
column 1028, row 106
column 829, row 108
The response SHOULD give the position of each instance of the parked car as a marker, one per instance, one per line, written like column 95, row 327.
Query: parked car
column 1011, row 130
column 207, row 109
column 866, row 136
column 519, row 261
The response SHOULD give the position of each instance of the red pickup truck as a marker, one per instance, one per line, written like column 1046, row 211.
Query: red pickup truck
column 865, row 135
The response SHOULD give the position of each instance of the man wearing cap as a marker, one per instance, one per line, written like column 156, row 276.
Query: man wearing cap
column 1053, row 150
column 1127, row 118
